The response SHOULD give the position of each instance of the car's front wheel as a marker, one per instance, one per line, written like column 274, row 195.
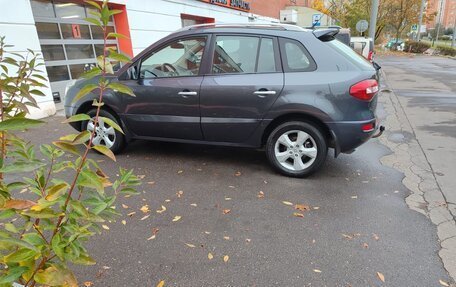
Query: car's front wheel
column 105, row 134
column 296, row 149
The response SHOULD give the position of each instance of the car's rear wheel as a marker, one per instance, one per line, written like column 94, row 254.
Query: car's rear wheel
column 296, row 149
column 105, row 134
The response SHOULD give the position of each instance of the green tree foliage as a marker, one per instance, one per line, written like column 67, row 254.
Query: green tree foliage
column 46, row 219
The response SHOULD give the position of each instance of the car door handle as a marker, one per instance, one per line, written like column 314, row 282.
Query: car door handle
column 186, row 94
column 264, row 93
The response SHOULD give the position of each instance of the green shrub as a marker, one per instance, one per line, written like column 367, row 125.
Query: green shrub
column 416, row 47
column 446, row 50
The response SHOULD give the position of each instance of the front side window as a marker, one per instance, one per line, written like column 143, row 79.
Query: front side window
column 181, row 58
column 295, row 57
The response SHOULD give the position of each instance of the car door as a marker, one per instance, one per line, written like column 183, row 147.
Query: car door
column 167, row 84
column 244, row 80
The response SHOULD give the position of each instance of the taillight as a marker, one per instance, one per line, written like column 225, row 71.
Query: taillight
column 364, row 90
column 370, row 56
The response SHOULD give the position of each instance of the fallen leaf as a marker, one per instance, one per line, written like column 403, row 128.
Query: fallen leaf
column 297, row 214
column 142, row 176
column 316, row 207
column 443, row 283
column 145, row 217
column 226, row 211
column 180, row 171
column 317, row 271
column 226, row 258
column 131, row 213
column 151, row 238
column 190, row 245
column 260, row 194
column 151, row 182
column 365, row 245
column 207, row 232
column 161, row 283
column 347, row 236
column 105, row 227
column 226, row 237
column 354, row 197
column 238, row 173
column 231, row 186
column 227, row 198
column 124, row 206
column 88, row 284
column 179, row 193
column 145, row 208
column 167, row 200
column 210, row 256
column 302, row 207
column 177, row 218
column 381, row 277
column 124, row 222
column 313, row 241
column 396, row 191
column 248, row 240
column 163, row 209
column 18, row 204
column 375, row 236
column 287, row 203
column 199, row 169
column 193, row 204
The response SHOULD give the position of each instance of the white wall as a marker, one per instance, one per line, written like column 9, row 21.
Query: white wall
column 151, row 20
column 17, row 24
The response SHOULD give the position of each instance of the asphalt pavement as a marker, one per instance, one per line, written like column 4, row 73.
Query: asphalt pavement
column 358, row 227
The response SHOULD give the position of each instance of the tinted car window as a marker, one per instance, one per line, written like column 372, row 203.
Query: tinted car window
column 266, row 58
column 295, row 57
column 179, row 59
column 350, row 54
column 235, row 54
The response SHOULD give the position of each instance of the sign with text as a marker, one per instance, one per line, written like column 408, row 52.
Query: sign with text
column 76, row 31
column 233, row 4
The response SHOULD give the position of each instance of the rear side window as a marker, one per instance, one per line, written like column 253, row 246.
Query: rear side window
column 295, row 57
column 243, row 54
column 349, row 53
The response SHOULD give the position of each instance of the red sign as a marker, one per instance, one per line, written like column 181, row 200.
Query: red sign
column 233, row 4
column 76, row 31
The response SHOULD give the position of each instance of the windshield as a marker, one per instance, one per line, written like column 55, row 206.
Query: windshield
column 350, row 54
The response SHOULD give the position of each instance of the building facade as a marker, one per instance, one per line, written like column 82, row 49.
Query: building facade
column 70, row 45
column 441, row 11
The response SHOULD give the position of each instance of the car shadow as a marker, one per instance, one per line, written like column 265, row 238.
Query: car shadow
column 236, row 158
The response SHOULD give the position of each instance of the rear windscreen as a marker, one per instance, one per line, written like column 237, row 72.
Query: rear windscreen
column 350, row 54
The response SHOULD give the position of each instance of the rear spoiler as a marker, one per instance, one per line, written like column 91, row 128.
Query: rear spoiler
column 326, row 35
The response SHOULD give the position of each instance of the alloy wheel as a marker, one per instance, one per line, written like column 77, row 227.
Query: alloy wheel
column 295, row 150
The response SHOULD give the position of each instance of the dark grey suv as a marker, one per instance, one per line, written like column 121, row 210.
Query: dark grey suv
column 293, row 91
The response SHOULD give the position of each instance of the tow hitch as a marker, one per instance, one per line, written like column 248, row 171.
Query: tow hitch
column 380, row 132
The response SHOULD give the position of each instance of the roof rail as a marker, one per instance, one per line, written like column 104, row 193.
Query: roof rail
column 280, row 26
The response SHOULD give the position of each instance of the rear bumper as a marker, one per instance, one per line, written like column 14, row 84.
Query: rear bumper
column 348, row 135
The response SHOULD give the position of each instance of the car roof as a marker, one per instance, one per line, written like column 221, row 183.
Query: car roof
column 242, row 26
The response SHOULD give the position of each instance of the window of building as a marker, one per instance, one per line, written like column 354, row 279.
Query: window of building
column 53, row 52
column 48, row 30
column 69, row 44
column 178, row 59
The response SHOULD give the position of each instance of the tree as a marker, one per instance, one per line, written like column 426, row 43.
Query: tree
column 403, row 14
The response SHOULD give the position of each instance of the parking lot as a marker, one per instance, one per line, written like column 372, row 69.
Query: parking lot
column 229, row 202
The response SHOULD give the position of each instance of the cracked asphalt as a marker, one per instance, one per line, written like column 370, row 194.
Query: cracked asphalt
column 362, row 218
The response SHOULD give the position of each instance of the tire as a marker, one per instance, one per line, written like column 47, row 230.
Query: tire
column 111, row 138
column 296, row 149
